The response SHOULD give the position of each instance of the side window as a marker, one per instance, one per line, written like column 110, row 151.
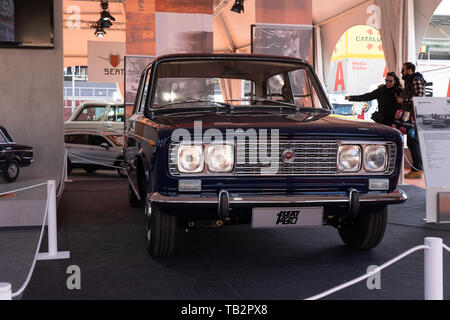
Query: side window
column 76, row 139
column 91, row 113
column 67, row 138
column 95, row 140
column 116, row 114
column 2, row 138
column 142, row 92
column 145, row 89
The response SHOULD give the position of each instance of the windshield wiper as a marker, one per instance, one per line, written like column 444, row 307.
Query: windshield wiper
column 287, row 104
column 223, row 104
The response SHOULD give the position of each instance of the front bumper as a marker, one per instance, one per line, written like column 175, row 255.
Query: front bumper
column 262, row 200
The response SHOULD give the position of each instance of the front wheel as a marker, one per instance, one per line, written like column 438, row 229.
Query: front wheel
column 366, row 231
column 123, row 170
column 11, row 171
column 160, row 231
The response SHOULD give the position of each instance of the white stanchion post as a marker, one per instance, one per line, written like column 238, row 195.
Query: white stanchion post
column 402, row 169
column 434, row 284
column 52, row 227
column 51, row 218
column 5, row 291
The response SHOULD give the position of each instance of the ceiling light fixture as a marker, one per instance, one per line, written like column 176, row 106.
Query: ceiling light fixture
column 105, row 20
column 238, row 6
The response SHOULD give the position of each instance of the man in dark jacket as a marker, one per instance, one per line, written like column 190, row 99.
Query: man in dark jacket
column 414, row 87
column 385, row 98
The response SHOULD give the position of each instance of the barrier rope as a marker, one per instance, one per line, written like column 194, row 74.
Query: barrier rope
column 95, row 162
column 410, row 164
column 369, row 274
column 30, row 273
column 22, row 189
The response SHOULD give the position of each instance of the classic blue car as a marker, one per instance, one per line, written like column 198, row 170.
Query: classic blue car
column 218, row 139
column 13, row 156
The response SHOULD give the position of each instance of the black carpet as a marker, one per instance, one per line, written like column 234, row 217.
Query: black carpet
column 106, row 240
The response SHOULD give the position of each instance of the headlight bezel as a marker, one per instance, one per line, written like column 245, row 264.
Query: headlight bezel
column 206, row 163
column 180, row 148
column 357, row 148
column 208, row 160
column 368, row 153
column 389, row 163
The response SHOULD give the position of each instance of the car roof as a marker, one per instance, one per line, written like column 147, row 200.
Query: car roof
column 227, row 56
column 100, row 103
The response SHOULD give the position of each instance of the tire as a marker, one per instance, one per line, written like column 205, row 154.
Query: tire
column 11, row 171
column 366, row 231
column 90, row 170
column 122, row 172
column 161, row 230
column 133, row 200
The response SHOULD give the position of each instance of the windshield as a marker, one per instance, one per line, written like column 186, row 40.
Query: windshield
column 238, row 82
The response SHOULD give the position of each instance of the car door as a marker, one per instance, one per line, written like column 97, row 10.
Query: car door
column 133, row 140
column 77, row 147
column 114, row 118
column 100, row 150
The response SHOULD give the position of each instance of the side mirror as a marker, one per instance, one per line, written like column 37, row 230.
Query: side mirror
column 104, row 145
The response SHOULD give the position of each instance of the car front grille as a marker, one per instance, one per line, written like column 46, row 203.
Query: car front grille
column 312, row 158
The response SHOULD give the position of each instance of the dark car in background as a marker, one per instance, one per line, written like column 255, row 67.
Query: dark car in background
column 13, row 156
column 218, row 139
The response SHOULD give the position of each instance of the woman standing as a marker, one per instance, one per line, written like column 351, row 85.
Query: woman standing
column 384, row 94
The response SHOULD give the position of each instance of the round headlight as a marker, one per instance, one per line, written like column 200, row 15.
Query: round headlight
column 375, row 158
column 349, row 158
column 220, row 158
column 190, row 159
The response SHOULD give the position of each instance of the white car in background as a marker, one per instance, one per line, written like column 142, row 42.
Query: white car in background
column 93, row 150
column 95, row 115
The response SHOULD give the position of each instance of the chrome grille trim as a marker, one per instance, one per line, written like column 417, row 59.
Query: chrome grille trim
column 312, row 158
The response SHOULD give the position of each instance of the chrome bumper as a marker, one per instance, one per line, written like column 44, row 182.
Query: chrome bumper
column 398, row 196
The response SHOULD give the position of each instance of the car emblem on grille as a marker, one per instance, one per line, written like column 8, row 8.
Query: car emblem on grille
column 288, row 156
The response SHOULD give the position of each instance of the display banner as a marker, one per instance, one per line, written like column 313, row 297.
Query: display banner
column 134, row 65
column 140, row 30
column 357, row 65
column 106, row 61
column 282, row 40
column 433, row 126
column 183, row 33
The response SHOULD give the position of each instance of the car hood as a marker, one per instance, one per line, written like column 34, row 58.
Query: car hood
column 300, row 123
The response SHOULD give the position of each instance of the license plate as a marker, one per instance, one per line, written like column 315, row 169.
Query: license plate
column 287, row 217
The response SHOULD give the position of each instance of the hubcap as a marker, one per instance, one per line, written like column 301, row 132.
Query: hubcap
column 12, row 170
column 148, row 215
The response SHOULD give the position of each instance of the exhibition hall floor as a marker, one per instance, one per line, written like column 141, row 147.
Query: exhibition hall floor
column 106, row 241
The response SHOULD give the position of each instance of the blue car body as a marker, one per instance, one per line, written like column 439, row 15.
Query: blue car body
column 231, row 197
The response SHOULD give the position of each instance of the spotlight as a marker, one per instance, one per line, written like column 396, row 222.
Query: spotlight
column 238, row 6
column 99, row 32
column 105, row 20
column 106, row 16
